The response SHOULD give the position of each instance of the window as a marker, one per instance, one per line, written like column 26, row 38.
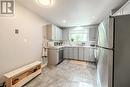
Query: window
column 79, row 34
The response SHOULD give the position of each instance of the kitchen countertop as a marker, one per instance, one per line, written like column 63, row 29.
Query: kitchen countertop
column 57, row 47
column 81, row 46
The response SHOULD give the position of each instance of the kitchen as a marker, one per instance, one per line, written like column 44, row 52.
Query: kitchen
column 64, row 43
column 81, row 48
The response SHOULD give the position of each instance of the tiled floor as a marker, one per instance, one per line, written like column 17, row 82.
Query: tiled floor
column 69, row 73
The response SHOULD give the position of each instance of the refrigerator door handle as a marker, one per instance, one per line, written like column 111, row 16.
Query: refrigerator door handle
column 105, row 47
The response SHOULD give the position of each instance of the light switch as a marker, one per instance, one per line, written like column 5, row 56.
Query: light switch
column 16, row 31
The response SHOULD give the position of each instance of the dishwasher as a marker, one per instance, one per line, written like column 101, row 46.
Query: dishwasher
column 61, row 54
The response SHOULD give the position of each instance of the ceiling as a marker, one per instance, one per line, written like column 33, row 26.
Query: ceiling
column 68, row 13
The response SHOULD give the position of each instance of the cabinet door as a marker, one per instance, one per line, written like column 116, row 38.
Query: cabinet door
column 50, row 32
column 71, row 53
column 81, row 53
column 76, row 52
column 60, row 34
column 92, row 58
column 56, row 33
column 126, row 8
column 86, row 54
column 66, row 52
column 53, row 32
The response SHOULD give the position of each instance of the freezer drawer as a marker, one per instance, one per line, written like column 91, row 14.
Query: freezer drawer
column 104, row 68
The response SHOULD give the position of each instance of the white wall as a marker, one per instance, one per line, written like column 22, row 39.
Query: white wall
column 20, row 49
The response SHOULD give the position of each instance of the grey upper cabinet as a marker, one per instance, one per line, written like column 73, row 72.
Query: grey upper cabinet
column 54, row 32
column 59, row 33
column 92, row 33
column 51, row 33
column 76, row 53
column 81, row 53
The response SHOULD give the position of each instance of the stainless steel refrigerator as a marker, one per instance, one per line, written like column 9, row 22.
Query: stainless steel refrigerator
column 113, row 68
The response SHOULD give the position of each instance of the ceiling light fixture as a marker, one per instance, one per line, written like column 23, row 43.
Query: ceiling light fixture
column 93, row 17
column 46, row 3
column 64, row 21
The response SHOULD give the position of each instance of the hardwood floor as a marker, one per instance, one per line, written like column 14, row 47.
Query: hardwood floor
column 69, row 73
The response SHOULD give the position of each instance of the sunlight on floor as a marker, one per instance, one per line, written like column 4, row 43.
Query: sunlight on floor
column 83, row 84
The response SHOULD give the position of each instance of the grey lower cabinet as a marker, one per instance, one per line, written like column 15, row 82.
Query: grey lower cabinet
column 92, row 57
column 71, row 52
column 81, row 53
column 86, row 54
column 89, row 54
column 66, row 52
column 76, row 53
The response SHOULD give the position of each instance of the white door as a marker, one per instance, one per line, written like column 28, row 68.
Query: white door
column 76, row 52
column 126, row 9
column 81, row 53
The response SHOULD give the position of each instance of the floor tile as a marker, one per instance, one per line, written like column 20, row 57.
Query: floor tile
column 69, row 73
